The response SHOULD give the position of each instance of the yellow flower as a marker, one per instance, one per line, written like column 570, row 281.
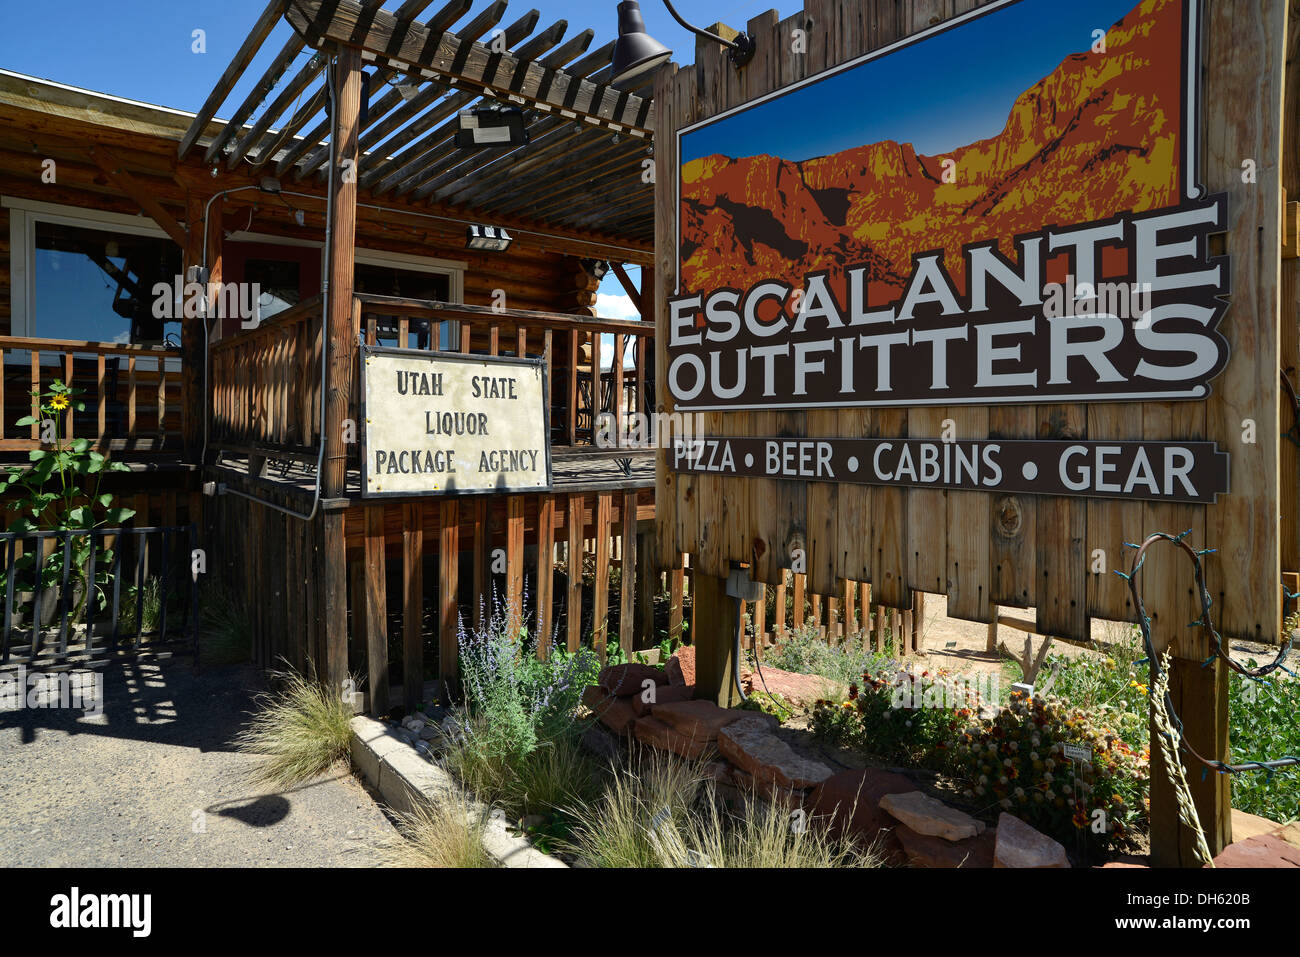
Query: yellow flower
column 59, row 402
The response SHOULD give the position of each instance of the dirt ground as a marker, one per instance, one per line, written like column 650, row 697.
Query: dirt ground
column 154, row 781
column 960, row 645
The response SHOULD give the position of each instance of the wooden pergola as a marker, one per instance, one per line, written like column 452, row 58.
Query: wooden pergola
column 422, row 74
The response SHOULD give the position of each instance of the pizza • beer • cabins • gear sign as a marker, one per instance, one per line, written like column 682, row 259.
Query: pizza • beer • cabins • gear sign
column 922, row 247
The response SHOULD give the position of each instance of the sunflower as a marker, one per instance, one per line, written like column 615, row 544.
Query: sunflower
column 59, row 402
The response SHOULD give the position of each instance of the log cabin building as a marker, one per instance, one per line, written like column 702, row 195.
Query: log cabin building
column 338, row 190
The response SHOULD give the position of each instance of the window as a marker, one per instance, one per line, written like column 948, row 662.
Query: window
column 89, row 277
column 412, row 277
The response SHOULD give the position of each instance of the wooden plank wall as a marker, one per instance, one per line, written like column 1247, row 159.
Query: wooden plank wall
column 979, row 548
column 403, row 586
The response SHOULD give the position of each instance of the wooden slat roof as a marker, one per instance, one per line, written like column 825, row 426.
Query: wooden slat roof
column 582, row 169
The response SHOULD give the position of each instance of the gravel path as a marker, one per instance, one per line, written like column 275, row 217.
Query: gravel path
column 153, row 781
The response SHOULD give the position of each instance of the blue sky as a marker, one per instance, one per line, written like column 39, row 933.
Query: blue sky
column 141, row 49
column 953, row 89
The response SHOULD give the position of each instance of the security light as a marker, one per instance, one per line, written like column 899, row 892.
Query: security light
column 490, row 238
column 636, row 52
column 489, row 127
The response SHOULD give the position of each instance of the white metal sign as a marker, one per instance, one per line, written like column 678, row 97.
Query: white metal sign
column 445, row 423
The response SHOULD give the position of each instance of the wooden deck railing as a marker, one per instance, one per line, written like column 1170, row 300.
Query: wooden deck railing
column 266, row 380
column 131, row 393
column 266, row 383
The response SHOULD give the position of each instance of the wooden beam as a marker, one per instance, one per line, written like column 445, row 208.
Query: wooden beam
column 376, row 611
column 630, row 288
column 413, row 604
column 112, row 168
column 448, row 589
column 473, row 65
column 243, row 57
column 341, row 346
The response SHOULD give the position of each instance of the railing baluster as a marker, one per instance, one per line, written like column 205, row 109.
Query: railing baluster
column 63, row 592
column 119, row 541
column 130, row 397
column 89, row 620
column 38, row 563
column 67, row 381
column 162, row 585
column 11, row 545
column 140, row 551
column 36, row 401
column 101, row 415
column 573, row 386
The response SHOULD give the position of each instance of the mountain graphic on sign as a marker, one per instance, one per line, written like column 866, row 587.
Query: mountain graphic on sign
column 1099, row 135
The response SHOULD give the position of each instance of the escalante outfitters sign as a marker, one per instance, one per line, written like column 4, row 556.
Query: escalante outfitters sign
column 449, row 423
column 865, row 256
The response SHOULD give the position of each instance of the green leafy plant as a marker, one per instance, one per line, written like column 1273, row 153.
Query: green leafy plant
column 805, row 651
column 902, row 717
column 59, row 490
column 1264, row 721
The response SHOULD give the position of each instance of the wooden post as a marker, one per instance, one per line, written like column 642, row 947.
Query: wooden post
column 413, row 605
column 918, row 619
column 1199, row 695
column 376, row 610
column 332, row 589
column 778, row 617
column 676, row 599
column 515, row 562
column 482, row 563
column 797, row 619
column 714, row 636
column 192, row 339
column 646, row 580
column 627, row 606
column 342, row 349
column 545, row 573
column 850, row 593
column 448, row 590
column 576, row 520
column 600, row 597
column 991, row 639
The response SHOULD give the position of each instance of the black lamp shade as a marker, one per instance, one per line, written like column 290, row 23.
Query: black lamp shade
column 635, row 51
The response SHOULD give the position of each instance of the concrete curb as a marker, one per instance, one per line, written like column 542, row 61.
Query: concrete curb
column 405, row 779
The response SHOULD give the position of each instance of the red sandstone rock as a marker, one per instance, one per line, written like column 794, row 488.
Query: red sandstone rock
column 700, row 720
column 655, row 733
column 1265, row 850
column 850, row 801
column 615, row 712
column 628, row 679
column 663, row 694
column 798, row 689
column 596, row 698
column 927, row 815
column 750, row 744
column 680, row 668
column 925, row 850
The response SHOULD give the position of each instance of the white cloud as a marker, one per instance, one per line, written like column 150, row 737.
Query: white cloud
column 616, row 306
